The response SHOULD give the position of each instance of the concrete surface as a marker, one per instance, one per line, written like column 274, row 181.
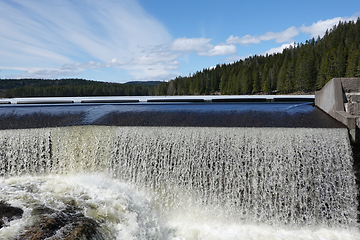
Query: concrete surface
column 161, row 99
column 340, row 98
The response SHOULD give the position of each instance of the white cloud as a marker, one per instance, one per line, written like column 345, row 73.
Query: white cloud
column 279, row 37
column 319, row 28
column 171, row 67
column 316, row 29
column 201, row 46
column 145, row 69
column 190, row 44
column 63, row 32
column 47, row 72
column 150, row 58
column 279, row 49
column 220, row 50
column 245, row 40
column 153, row 72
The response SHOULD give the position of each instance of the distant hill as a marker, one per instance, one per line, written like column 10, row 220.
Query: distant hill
column 10, row 88
column 33, row 82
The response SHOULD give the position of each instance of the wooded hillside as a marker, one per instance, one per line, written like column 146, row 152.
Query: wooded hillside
column 305, row 68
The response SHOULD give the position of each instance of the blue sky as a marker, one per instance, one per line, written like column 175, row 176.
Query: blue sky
column 127, row 40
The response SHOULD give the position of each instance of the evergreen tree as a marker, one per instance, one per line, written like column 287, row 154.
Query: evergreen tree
column 266, row 86
column 245, row 81
column 353, row 62
column 256, row 81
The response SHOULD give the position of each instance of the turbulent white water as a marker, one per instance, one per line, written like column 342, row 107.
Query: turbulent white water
column 185, row 183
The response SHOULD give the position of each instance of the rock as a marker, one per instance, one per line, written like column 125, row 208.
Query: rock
column 83, row 228
column 67, row 224
column 9, row 213
column 350, row 84
column 44, row 228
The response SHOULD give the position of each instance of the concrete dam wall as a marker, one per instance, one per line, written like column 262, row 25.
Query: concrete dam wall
column 178, row 170
column 340, row 98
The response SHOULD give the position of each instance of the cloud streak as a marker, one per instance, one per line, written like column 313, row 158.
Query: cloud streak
column 279, row 37
column 58, row 32
column 190, row 44
column 279, row 49
column 287, row 36
column 201, row 46
column 319, row 28
column 220, row 50
column 58, row 38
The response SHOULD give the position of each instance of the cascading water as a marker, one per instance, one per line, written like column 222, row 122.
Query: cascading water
column 185, row 183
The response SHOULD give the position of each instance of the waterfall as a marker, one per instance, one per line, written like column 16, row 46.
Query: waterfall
column 282, row 177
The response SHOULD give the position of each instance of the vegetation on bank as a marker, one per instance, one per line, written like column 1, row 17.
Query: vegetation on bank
column 305, row 67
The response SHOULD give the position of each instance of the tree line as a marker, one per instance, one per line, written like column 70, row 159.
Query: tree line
column 10, row 88
column 304, row 67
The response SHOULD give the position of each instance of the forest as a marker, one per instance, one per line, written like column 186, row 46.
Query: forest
column 302, row 69
column 10, row 88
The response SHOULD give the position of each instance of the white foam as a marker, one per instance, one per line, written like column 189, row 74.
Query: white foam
column 125, row 213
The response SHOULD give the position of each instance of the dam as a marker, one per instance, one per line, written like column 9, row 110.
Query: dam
column 176, row 169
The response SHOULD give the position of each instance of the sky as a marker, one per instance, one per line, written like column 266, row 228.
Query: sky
column 143, row 40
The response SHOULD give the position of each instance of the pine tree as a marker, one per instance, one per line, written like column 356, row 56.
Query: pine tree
column 245, row 81
column 282, row 79
column 256, row 81
column 353, row 62
column 266, row 87
column 223, row 84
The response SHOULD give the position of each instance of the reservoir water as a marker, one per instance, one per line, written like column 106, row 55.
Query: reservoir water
column 179, row 171
column 166, row 114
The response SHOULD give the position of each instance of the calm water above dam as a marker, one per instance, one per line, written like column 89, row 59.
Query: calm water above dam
column 167, row 114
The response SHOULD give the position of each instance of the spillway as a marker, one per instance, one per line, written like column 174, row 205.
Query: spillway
column 141, row 182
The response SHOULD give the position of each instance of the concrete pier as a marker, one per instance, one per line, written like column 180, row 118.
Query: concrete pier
column 340, row 98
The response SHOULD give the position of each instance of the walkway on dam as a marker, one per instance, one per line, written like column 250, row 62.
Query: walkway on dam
column 135, row 99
